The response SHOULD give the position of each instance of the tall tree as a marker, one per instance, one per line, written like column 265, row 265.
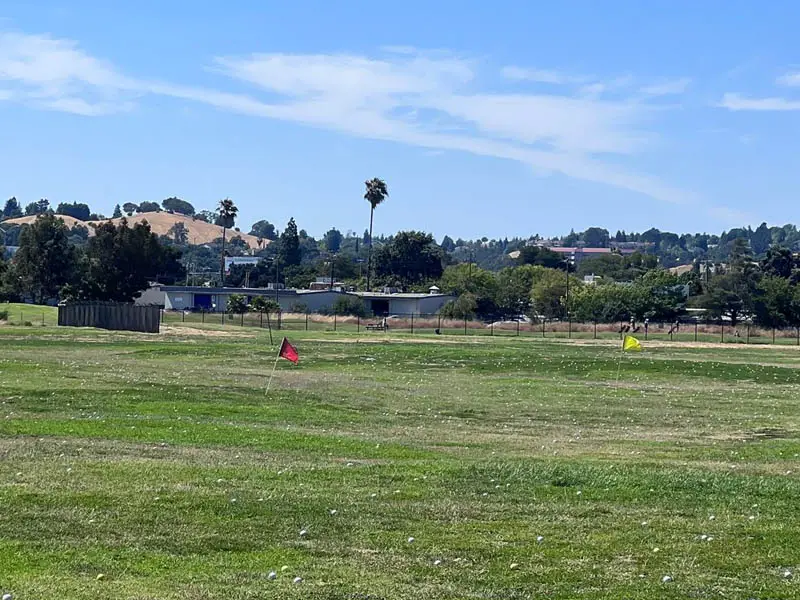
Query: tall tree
column 122, row 261
column 117, row 212
column 595, row 237
column 227, row 212
column 45, row 261
column 130, row 208
column 760, row 239
column 38, row 208
column 76, row 210
column 412, row 257
column 147, row 206
column 289, row 248
column 376, row 193
column 12, row 209
column 333, row 240
column 264, row 229
column 179, row 233
column 177, row 205
column 779, row 262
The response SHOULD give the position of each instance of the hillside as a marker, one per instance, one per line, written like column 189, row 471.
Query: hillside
column 199, row 232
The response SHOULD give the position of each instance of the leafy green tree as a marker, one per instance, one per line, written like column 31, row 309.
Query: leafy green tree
column 177, row 205
column 602, row 303
column 148, row 207
column 122, row 261
column 448, row 245
column 761, row 239
column 226, row 218
column 264, row 229
column 549, row 293
column 779, row 262
column 207, row 216
column 38, row 208
column 775, row 303
column 130, row 208
column 117, row 212
column 514, row 286
column 536, row 255
column 237, row 304
column 263, row 304
column 463, row 307
column 376, row 193
column 179, row 233
column 76, row 210
column 729, row 295
column 333, row 240
column 11, row 210
column 289, row 247
column 412, row 257
column 479, row 284
column 45, row 260
column 595, row 237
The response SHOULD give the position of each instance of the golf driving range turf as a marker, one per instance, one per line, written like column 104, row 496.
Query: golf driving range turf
column 144, row 467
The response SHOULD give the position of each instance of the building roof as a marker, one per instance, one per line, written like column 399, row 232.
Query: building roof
column 197, row 289
column 380, row 295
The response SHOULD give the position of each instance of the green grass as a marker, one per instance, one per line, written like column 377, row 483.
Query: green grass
column 21, row 314
column 160, row 463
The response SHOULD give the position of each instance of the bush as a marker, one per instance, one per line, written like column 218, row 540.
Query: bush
column 299, row 308
column 3, row 315
column 348, row 305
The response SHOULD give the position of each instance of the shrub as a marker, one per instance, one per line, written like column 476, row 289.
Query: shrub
column 3, row 315
column 348, row 305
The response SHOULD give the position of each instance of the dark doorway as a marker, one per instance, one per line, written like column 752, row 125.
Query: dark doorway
column 202, row 301
column 380, row 307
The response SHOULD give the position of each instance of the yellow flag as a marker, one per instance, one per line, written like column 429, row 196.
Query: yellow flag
column 631, row 344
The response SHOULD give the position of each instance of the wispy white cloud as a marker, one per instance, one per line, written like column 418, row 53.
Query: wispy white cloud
column 789, row 79
column 671, row 87
column 58, row 75
column 432, row 101
column 542, row 76
column 737, row 102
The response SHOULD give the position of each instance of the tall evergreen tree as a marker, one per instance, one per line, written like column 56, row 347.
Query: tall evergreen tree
column 289, row 248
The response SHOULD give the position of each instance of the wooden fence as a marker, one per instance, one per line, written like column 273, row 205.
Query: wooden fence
column 110, row 315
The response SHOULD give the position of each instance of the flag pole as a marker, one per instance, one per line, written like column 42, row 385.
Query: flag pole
column 619, row 362
column 275, row 366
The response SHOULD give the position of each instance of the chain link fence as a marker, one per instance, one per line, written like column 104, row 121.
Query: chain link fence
column 431, row 324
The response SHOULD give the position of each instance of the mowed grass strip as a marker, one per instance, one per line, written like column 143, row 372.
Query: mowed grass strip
column 520, row 468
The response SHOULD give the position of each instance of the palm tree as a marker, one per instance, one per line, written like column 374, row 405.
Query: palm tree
column 375, row 194
column 227, row 215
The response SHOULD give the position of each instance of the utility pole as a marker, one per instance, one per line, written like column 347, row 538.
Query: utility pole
column 333, row 263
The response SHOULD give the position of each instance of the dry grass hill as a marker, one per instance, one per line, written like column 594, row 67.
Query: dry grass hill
column 199, row 232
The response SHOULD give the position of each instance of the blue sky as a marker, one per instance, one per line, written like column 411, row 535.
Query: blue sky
column 497, row 119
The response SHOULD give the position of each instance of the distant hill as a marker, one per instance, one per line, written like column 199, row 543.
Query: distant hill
column 199, row 232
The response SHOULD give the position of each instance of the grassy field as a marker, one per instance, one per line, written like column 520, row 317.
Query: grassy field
column 143, row 467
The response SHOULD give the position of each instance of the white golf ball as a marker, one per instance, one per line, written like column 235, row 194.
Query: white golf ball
column 411, row 540
column 8, row 597
column 284, row 568
column 333, row 511
column 437, row 562
column 666, row 579
column 540, row 538
column 272, row 575
column 787, row 574
column 303, row 533
column 298, row 580
column 514, row 566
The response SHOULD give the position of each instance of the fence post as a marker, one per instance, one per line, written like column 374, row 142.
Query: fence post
column 465, row 325
column 42, row 318
column 306, row 320
column 747, row 339
column 695, row 331
column 798, row 336
column 773, row 335
column 569, row 326
column 242, row 322
column 722, row 334
column 280, row 319
column 202, row 315
column 358, row 323
column 595, row 330
column 439, row 327
column 261, row 319
column 222, row 318
column 492, row 329
column 543, row 324
column 412, row 323
column 334, row 321
column 517, row 327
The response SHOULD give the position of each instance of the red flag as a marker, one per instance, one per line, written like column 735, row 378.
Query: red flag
column 289, row 352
